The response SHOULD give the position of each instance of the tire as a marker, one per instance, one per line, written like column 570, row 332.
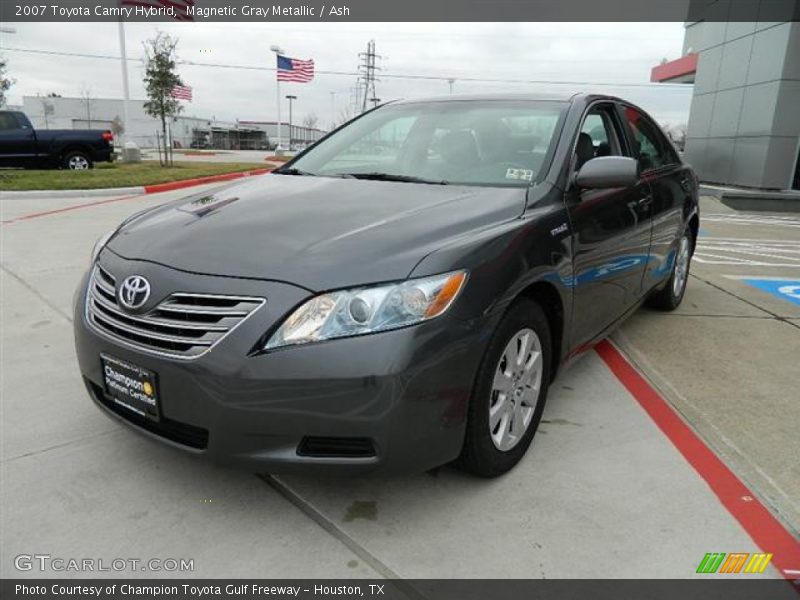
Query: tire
column 671, row 295
column 76, row 160
column 484, row 452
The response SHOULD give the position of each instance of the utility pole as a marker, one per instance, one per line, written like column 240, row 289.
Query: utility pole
column 333, row 110
column 290, row 97
column 355, row 97
column 367, row 68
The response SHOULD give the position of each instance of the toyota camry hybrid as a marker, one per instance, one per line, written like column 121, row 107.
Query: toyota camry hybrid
column 396, row 297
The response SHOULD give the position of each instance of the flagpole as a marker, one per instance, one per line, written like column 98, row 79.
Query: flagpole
column 278, row 51
column 280, row 123
column 126, row 94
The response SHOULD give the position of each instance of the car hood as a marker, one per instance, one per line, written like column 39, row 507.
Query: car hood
column 317, row 232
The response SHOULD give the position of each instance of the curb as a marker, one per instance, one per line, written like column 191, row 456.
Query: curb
column 42, row 194
column 753, row 200
column 176, row 185
column 131, row 191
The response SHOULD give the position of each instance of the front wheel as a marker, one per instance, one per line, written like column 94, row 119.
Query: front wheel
column 76, row 161
column 671, row 295
column 510, row 392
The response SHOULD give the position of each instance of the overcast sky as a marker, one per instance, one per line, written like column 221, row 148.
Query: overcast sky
column 594, row 53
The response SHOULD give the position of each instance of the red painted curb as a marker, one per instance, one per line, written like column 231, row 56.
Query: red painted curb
column 759, row 523
column 176, row 185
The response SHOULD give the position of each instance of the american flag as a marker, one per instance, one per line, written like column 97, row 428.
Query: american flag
column 182, row 92
column 180, row 7
column 293, row 69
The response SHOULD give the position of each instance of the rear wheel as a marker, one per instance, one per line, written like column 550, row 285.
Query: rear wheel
column 670, row 297
column 76, row 160
column 510, row 392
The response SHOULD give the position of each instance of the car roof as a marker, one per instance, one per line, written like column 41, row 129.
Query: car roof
column 569, row 96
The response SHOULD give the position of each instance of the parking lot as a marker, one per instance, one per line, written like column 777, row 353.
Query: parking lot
column 626, row 457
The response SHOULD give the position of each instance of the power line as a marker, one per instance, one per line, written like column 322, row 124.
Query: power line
column 386, row 75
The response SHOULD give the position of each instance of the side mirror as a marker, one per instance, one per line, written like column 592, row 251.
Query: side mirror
column 608, row 172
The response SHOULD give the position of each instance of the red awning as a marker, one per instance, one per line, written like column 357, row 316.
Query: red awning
column 673, row 69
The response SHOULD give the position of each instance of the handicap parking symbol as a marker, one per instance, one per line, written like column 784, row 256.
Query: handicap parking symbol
column 785, row 289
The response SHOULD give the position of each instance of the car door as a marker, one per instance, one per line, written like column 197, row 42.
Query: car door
column 611, row 232
column 17, row 143
column 671, row 184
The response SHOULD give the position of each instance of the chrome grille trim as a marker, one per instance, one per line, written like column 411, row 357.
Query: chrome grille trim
column 184, row 325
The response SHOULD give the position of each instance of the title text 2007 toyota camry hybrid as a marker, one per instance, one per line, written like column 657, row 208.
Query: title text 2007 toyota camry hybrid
column 396, row 297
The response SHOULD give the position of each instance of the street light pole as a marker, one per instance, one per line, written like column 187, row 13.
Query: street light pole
column 126, row 93
column 290, row 97
column 278, row 52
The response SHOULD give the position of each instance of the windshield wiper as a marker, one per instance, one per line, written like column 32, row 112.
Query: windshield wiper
column 296, row 171
column 292, row 171
column 375, row 176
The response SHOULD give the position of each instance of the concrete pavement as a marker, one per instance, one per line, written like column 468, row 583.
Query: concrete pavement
column 601, row 484
column 727, row 359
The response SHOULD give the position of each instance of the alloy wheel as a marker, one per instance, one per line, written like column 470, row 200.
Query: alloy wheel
column 78, row 163
column 681, row 267
column 515, row 389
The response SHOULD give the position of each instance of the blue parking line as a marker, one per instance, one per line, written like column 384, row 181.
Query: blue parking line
column 784, row 289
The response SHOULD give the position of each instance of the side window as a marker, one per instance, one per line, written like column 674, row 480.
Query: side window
column 8, row 121
column 597, row 136
column 649, row 144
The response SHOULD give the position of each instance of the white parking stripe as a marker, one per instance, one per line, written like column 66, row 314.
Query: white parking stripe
column 750, row 252
column 752, row 219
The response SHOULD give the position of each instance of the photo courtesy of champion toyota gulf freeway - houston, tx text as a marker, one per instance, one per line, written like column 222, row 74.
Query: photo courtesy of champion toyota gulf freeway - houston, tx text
column 396, row 297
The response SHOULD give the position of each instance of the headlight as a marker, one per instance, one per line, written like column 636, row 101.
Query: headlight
column 368, row 310
column 99, row 244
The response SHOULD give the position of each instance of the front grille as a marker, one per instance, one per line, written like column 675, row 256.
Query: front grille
column 183, row 326
column 175, row 431
column 336, row 447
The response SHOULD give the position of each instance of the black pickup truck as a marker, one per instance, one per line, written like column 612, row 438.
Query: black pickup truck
column 22, row 146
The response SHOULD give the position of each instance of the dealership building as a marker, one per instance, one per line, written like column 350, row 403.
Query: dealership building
column 187, row 131
column 744, row 124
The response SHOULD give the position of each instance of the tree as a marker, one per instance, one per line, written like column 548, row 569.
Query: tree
column 345, row 115
column 47, row 110
column 87, row 101
column 160, row 78
column 677, row 133
column 5, row 81
column 311, row 120
column 117, row 127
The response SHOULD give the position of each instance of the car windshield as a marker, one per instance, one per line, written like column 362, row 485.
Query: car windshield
column 470, row 142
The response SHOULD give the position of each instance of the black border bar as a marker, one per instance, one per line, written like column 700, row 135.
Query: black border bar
column 414, row 10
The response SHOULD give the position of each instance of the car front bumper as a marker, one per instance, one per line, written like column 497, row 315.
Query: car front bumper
column 390, row 402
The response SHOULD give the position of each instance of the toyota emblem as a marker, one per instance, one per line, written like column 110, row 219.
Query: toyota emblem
column 134, row 292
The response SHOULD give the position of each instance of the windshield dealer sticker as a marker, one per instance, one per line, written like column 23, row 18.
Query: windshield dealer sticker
column 519, row 174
